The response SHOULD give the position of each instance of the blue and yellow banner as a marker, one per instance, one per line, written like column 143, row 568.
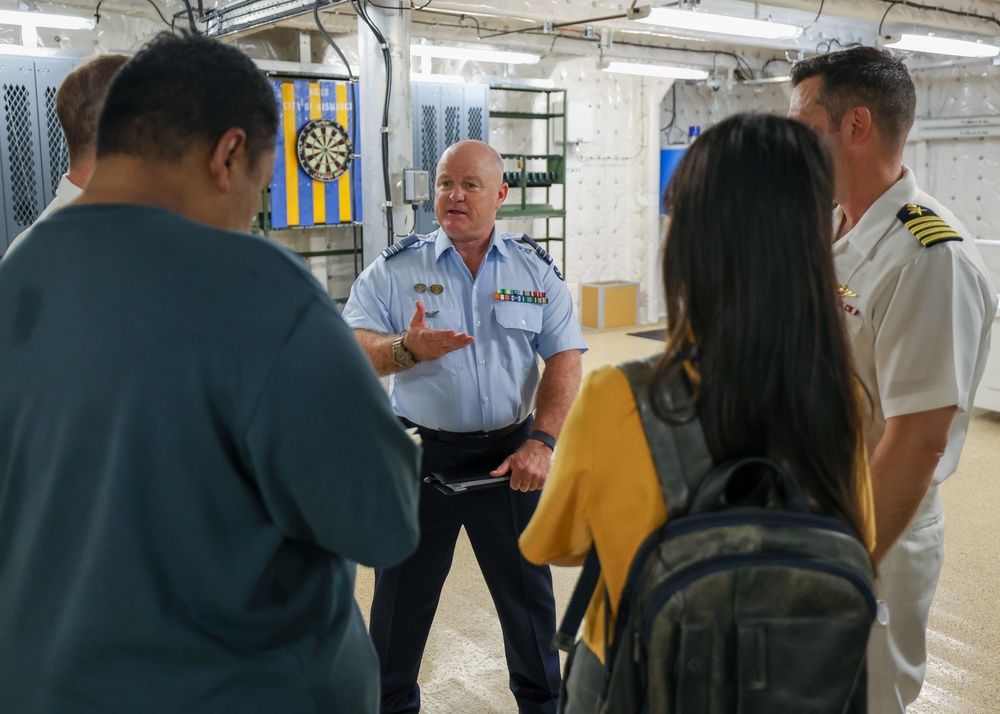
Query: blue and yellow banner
column 296, row 198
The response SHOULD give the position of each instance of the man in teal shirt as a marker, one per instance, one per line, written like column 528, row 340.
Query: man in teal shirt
column 193, row 449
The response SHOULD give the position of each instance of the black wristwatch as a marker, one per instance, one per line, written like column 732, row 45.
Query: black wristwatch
column 402, row 356
column 545, row 438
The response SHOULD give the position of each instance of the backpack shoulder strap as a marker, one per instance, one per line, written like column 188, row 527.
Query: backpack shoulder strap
column 680, row 453
column 681, row 458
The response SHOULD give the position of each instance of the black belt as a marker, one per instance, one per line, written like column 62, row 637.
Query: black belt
column 470, row 439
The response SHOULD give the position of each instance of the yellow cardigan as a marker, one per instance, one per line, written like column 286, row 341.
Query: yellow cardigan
column 603, row 488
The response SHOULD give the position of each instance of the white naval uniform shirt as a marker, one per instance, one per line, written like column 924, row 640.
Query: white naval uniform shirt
column 919, row 327
column 66, row 193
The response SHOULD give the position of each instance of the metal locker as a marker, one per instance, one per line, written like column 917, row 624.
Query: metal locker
column 49, row 74
column 20, row 151
column 33, row 154
column 442, row 115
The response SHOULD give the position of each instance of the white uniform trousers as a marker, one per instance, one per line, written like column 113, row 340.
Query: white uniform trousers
column 907, row 579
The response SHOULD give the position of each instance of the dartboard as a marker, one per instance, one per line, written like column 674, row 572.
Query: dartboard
column 324, row 149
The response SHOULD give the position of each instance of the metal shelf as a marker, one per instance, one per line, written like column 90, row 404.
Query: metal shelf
column 531, row 210
column 524, row 115
column 552, row 180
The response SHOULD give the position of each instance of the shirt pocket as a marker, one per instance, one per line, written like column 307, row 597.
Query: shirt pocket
column 444, row 318
column 521, row 323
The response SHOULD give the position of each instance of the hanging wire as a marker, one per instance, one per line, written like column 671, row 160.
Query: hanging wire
column 352, row 86
column 97, row 12
column 359, row 8
column 815, row 19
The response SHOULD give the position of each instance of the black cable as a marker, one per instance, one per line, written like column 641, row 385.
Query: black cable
column 767, row 64
column 884, row 15
column 329, row 40
column 673, row 113
column 190, row 14
column 384, row 129
column 816, row 19
column 424, row 6
column 352, row 84
column 933, row 8
column 97, row 12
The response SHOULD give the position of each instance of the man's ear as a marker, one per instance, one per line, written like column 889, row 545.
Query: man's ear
column 859, row 125
column 502, row 196
column 227, row 151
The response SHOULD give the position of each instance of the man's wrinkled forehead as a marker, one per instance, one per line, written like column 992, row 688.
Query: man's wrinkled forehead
column 462, row 172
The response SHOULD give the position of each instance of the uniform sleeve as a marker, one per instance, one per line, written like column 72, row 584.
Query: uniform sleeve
column 928, row 344
column 560, row 328
column 332, row 462
column 367, row 307
column 560, row 526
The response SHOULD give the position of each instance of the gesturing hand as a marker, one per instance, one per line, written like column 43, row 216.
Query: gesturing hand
column 428, row 344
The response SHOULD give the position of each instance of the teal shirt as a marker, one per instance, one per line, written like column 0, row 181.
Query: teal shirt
column 194, row 452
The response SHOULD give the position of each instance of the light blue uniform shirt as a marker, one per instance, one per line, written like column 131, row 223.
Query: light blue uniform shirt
column 491, row 383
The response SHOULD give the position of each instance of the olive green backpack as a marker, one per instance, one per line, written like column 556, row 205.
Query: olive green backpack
column 737, row 604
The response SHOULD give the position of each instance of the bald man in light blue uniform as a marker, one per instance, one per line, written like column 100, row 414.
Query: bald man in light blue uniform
column 458, row 318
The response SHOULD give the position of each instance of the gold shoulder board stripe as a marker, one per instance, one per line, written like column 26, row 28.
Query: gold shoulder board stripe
column 928, row 227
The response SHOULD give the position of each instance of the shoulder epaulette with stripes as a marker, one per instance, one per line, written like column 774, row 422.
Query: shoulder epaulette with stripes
column 928, row 227
column 543, row 254
column 399, row 247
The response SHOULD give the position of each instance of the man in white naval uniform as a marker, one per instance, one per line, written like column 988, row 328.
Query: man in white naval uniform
column 78, row 106
column 919, row 306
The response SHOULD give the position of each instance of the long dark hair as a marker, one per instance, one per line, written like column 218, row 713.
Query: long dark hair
column 751, row 301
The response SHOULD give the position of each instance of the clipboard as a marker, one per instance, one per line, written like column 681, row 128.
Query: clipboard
column 472, row 476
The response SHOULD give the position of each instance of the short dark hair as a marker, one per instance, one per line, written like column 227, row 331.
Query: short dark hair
column 864, row 76
column 79, row 99
column 179, row 89
column 749, row 277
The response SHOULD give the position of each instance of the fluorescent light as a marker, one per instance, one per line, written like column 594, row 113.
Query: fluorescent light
column 720, row 24
column 438, row 78
column 656, row 70
column 476, row 54
column 940, row 45
column 44, row 19
column 515, row 81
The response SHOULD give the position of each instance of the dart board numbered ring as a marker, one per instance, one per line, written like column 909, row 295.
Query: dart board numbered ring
column 324, row 149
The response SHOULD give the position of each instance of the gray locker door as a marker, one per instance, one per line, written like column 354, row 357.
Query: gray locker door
column 442, row 115
column 20, row 151
column 49, row 74
column 477, row 118
column 427, row 146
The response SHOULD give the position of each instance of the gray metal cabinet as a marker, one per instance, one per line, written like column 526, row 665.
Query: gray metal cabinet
column 33, row 154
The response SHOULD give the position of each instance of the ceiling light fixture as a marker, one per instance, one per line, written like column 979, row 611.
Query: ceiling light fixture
column 476, row 54
column 29, row 23
column 939, row 45
column 655, row 70
column 44, row 19
column 719, row 24
column 438, row 78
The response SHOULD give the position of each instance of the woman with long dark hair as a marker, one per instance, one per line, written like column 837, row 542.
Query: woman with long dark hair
column 753, row 321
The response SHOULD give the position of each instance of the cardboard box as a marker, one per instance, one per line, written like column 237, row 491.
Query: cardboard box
column 609, row 303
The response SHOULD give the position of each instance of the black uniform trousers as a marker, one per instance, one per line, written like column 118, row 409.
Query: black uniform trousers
column 407, row 595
